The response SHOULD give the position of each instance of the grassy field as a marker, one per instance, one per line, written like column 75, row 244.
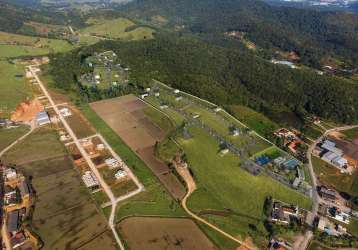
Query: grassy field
column 351, row 134
column 222, row 184
column 7, row 136
column 256, row 121
column 13, row 87
column 330, row 175
column 155, row 200
column 65, row 216
column 118, row 29
column 159, row 119
column 13, row 45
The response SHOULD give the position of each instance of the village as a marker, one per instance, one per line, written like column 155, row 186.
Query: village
column 102, row 171
column 18, row 201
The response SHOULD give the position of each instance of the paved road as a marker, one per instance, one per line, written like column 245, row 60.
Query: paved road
column 83, row 152
column 315, row 197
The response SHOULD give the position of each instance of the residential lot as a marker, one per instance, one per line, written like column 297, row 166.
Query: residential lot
column 64, row 216
column 126, row 117
column 163, row 233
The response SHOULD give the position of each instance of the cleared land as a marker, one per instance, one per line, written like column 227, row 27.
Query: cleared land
column 126, row 117
column 120, row 28
column 163, row 233
column 65, row 216
column 8, row 136
column 331, row 176
column 13, row 87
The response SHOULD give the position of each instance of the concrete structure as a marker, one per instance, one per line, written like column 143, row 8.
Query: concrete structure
column 120, row 174
column 90, row 179
column 42, row 118
column 65, row 112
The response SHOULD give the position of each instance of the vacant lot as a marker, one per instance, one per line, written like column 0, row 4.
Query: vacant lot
column 163, row 233
column 8, row 136
column 120, row 28
column 64, row 215
column 126, row 117
column 14, row 84
column 331, row 176
column 80, row 126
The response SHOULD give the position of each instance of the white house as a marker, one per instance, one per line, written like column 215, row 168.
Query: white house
column 120, row 174
column 65, row 112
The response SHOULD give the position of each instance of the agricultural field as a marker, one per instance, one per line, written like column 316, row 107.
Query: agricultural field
column 9, row 135
column 163, row 233
column 121, row 29
column 65, row 216
column 155, row 199
column 331, row 176
column 126, row 117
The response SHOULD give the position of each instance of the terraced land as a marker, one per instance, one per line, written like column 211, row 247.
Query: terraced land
column 65, row 216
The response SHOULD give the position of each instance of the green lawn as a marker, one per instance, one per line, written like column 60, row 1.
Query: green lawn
column 47, row 145
column 155, row 200
column 222, row 184
column 330, row 175
column 118, row 29
column 351, row 134
column 13, row 87
column 8, row 136
column 256, row 121
column 159, row 119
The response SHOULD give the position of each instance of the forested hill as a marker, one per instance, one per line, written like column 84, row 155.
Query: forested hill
column 13, row 17
column 312, row 34
column 222, row 75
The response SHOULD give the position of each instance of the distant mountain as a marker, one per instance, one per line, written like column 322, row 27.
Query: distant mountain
column 347, row 5
column 311, row 34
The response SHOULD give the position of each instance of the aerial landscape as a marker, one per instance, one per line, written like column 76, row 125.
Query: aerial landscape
column 179, row 124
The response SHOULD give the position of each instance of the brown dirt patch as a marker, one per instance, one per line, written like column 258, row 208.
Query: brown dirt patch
column 126, row 117
column 248, row 245
column 163, row 233
column 26, row 111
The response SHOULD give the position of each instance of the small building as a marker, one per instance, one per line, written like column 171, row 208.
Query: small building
column 291, row 164
column 10, row 174
column 262, row 160
column 279, row 160
column 97, row 77
column 120, row 174
column 13, row 221
column 327, row 193
column 65, row 112
column 100, row 146
column 296, row 182
column 42, row 118
column 90, row 180
column 147, row 89
column 24, row 189
column 235, row 132
column 112, row 163
column 11, row 197
column 144, row 95
column 18, row 240
column 156, row 94
column 178, row 98
column 196, row 116
column 224, row 151
column 340, row 161
column 176, row 91
column 217, row 109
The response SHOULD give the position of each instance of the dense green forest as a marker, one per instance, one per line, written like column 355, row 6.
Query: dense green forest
column 222, row 75
column 311, row 34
